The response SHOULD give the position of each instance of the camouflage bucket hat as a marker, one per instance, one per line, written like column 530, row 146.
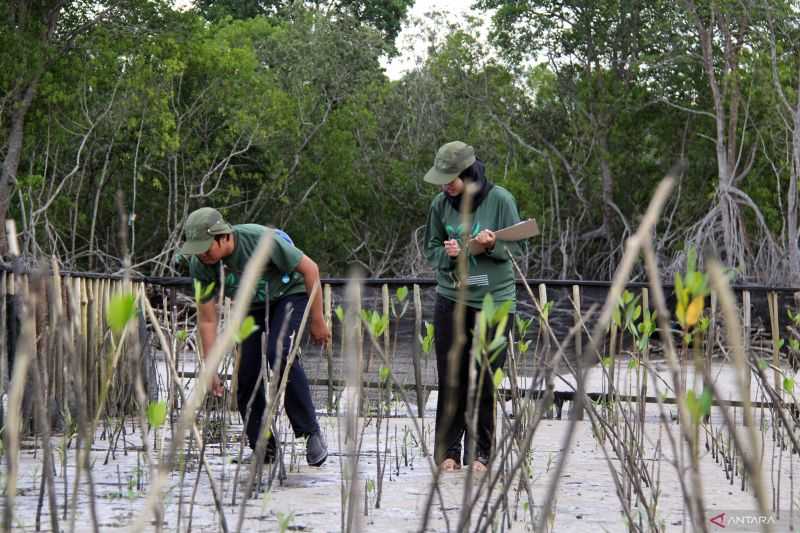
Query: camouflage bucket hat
column 201, row 227
column 451, row 160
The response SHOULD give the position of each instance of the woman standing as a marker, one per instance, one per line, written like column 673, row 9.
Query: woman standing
column 490, row 208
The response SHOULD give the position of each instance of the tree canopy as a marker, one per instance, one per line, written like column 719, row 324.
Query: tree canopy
column 280, row 113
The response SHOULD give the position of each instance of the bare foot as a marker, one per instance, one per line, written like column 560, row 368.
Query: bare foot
column 449, row 465
column 478, row 467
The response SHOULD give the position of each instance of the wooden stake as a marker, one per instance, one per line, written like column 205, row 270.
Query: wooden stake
column 415, row 353
column 3, row 341
column 746, row 341
column 327, row 301
column 772, row 301
column 543, row 326
column 578, row 318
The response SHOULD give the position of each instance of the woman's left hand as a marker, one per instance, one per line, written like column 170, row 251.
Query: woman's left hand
column 486, row 239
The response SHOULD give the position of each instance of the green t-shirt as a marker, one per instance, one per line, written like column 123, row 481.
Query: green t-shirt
column 278, row 278
column 490, row 272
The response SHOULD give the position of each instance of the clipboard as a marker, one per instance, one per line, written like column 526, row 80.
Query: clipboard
column 518, row 232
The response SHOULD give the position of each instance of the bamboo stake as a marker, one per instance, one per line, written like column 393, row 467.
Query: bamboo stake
column 42, row 406
column 746, row 327
column 543, row 325
column 56, row 312
column 27, row 313
column 387, row 339
column 3, row 342
column 327, row 301
column 578, row 324
column 22, row 360
column 642, row 371
column 353, row 362
column 92, row 349
column 711, row 335
column 415, row 353
column 772, row 300
column 576, row 303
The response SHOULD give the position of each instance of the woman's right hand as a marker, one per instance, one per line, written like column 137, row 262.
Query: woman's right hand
column 452, row 248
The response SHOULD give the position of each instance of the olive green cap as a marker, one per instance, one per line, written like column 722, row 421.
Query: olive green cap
column 200, row 228
column 451, row 160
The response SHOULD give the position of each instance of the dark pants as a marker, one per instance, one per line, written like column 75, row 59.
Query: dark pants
column 451, row 408
column 284, row 318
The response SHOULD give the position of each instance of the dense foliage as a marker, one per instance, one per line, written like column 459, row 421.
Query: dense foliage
column 280, row 113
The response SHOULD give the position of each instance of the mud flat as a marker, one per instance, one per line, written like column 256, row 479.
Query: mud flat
column 310, row 499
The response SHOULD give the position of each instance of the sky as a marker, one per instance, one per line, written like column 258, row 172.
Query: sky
column 453, row 10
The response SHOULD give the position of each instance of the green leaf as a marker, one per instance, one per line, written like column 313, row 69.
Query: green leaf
column 497, row 344
column 339, row 313
column 427, row 341
column 694, row 282
column 693, row 406
column 401, row 293
column 247, row 328
column 691, row 259
column 763, row 364
column 488, row 307
column 680, row 314
column 633, row 364
column 522, row 326
column 182, row 335
column 627, row 296
column 679, row 294
column 121, row 309
column 794, row 344
column 501, row 313
column 642, row 343
column 698, row 407
column 616, row 316
column 546, row 310
column 156, row 413
column 383, row 373
column 706, row 400
column 208, row 290
column 607, row 361
column 202, row 292
column 788, row 385
column 498, row 378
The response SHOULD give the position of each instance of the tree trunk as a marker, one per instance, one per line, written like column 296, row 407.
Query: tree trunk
column 791, row 207
column 608, row 184
column 13, row 155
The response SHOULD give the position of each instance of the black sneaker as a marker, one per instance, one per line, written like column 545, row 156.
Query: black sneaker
column 316, row 449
